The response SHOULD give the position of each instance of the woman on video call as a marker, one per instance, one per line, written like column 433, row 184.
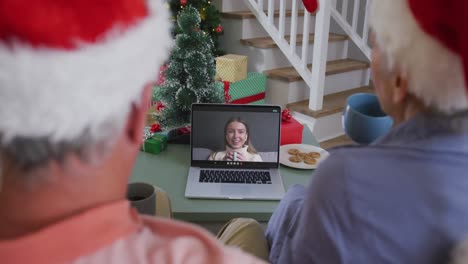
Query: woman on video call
column 237, row 142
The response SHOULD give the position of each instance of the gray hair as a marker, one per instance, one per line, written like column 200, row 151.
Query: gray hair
column 435, row 74
column 30, row 154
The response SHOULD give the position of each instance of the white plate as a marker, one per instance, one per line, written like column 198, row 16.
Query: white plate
column 284, row 155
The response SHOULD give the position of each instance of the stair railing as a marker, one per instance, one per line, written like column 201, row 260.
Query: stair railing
column 357, row 32
column 314, row 77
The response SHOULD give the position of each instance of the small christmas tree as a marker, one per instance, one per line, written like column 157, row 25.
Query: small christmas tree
column 189, row 74
column 210, row 19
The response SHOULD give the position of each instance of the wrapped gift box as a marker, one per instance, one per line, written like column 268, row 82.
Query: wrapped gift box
column 155, row 144
column 291, row 132
column 231, row 68
column 248, row 91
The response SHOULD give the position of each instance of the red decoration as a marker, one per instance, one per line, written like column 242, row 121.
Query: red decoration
column 197, row 29
column 185, row 130
column 286, row 115
column 219, row 29
column 291, row 132
column 311, row 5
column 162, row 75
column 243, row 100
column 227, row 96
column 160, row 106
column 445, row 21
column 183, row 2
column 155, row 128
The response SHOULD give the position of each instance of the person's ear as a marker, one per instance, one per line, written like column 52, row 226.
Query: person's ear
column 400, row 88
column 137, row 117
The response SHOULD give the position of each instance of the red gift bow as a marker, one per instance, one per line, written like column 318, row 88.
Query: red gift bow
column 243, row 100
column 155, row 128
column 286, row 115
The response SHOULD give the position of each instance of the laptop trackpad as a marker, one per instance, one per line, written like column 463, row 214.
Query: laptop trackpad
column 235, row 190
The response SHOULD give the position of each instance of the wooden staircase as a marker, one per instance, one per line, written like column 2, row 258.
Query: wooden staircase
column 285, row 87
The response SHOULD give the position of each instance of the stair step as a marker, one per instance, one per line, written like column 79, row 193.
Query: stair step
column 332, row 103
column 268, row 43
column 249, row 14
column 289, row 74
column 335, row 142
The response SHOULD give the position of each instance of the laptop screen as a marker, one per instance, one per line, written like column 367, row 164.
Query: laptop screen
column 236, row 136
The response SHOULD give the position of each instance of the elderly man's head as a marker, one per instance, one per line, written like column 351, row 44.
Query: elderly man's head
column 69, row 89
column 410, row 65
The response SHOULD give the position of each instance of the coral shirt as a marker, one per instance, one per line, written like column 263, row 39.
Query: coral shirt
column 115, row 233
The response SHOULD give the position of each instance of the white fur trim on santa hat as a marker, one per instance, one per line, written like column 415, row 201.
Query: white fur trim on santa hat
column 58, row 94
column 434, row 72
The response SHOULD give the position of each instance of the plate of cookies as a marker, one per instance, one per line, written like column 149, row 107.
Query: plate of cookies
column 302, row 156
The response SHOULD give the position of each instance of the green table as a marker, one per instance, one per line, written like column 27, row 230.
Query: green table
column 168, row 170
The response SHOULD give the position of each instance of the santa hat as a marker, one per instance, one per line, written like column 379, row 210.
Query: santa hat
column 447, row 21
column 70, row 66
column 428, row 39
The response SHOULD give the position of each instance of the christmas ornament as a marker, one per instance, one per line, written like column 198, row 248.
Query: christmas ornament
column 160, row 106
column 155, row 128
column 183, row 2
column 219, row 29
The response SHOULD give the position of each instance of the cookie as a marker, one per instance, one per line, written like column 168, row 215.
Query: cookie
column 295, row 159
column 315, row 155
column 302, row 155
column 293, row 151
column 310, row 161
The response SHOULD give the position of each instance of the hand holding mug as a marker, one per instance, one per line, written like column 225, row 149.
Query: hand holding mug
column 234, row 156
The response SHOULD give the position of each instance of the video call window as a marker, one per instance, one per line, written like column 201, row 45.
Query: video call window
column 235, row 136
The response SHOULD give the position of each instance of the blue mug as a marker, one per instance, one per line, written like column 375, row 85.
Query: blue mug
column 364, row 120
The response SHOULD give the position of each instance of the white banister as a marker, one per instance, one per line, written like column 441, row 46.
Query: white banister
column 365, row 34
column 314, row 78
column 355, row 14
column 292, row 38
column 282, row 16
column 305, row 39
column 319, row 62
column 351, row 30
column 271, row 11
column 344, row 9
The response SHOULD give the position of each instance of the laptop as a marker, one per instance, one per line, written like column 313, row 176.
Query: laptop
column 235, row 152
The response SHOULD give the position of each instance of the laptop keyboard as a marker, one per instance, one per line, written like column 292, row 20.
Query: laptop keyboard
column 233, row 176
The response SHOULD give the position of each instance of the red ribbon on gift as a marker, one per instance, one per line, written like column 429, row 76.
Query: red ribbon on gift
column 286, row 115
column 243, row 100
column 249, row 99
column 227, row 96
column 155, row 128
